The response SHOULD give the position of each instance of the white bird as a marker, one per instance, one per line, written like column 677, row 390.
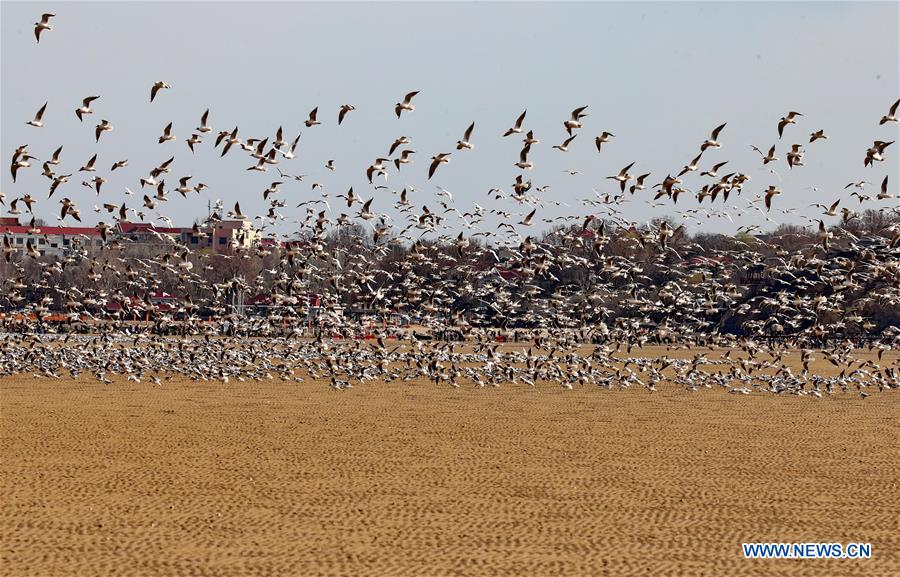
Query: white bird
column 565, row 145
column 167, row 134
column 85, row 107
column 883, row 195
column 44, row 24
column 575, row 121
column 441, row 158
column 711, row 142
column 345, row 108
column 602, row 139
column 37, row 122
column 157, row 86
column 406, row 104
column 465, row 142
column 785, row 120
column 527, row 220
column 891, row 116
column 311, row 121
column 204, row 127
column 104, row 126
column 517, row 127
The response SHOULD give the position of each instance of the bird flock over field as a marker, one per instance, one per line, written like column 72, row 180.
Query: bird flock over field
column 583, row 295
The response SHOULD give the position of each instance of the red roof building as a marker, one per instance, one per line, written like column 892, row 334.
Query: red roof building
column 50, row 240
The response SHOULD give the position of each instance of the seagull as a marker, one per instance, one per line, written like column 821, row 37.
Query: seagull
column 400, row 141
column 639, row 183
column 517, row 127
column 711, row 141
column 237, row 214
column 770, row 192
column 37, row 123
column 204, row 127
column 44, row 24
column 817, row 135
column 883, row 195
column 311, row 121
column 404, row 158
column 55, row 158
column 767, row 158
column 101, row 128
column 692, row 167
column 795, row 156
column 530, row 139
column 876, row 153
column 68, row 207
column 465, row 142
column 575, row 121
column 119, row 164
column 527, row 220
column 785, row 120
column 290, row 153
column 714, row 170
column 829, row 210
column 365, row 213
column 377, row 168
column 565, row 145
column 89, row 167
column 824, row 235
column 891, row 116
column 603, row 138
column 523, row 163
column 623, row 177
column 406, row 104
column 85, row 107
column 345, row 108
column 441, row 158
column 194, row 139
column 183, row 188
column 157, row 86
column 167, row 134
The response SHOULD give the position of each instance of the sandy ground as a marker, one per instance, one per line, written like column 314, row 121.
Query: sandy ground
column 273, row 478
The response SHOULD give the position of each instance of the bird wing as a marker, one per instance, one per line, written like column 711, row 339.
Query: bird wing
column 468, row 133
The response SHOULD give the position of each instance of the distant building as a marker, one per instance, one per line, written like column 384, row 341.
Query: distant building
column 215, row 234
column 55, row 241
column 222, row 235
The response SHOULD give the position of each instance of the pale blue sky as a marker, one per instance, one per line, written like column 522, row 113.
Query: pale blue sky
column 658, row 75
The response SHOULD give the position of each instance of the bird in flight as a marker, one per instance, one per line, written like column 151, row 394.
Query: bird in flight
column 44, row 24
column 85, row 107
column 466, row 139
column 441, row 158
column 37, row 122
column 157, row 86
column 785, row 120
column 517, row 127
column 406, row 104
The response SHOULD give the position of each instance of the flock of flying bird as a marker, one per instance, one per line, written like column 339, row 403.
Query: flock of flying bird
column 451, row 281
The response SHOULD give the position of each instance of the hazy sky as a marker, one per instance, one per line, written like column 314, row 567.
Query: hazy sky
column 659, row 76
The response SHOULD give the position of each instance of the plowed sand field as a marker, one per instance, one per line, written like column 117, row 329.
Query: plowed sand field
column 411, row 479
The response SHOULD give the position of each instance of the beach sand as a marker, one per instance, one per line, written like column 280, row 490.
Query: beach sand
column 401, row 479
